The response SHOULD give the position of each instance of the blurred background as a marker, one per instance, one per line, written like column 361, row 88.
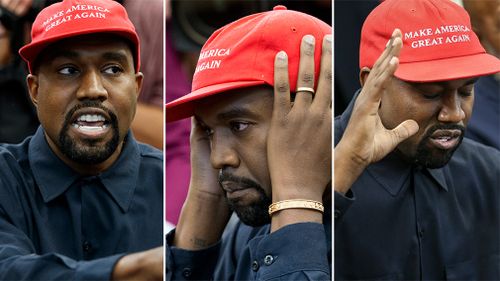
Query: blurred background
column 189, row 24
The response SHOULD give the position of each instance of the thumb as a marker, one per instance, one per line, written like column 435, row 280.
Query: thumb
column 403, row 131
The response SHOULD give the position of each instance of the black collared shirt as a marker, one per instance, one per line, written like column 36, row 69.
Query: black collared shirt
column 300, row 251
column 400, row 222
column 58, row 225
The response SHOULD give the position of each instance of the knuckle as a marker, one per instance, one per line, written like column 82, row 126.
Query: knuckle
column 327, row 73
column 307, row 78
column 282, row 87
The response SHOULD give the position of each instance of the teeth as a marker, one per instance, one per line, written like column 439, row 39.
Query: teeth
column 91, row 118
column 90, row 128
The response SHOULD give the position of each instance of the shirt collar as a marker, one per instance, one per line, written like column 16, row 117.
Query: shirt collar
column 392, row 172
column 54, row 177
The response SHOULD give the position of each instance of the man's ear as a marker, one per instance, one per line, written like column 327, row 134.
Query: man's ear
column 363, row 75
column 32, row 81
column 139, row 78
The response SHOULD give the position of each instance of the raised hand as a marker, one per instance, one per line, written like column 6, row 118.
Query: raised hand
column 299, row 140
column 205, row 212
column 365, row 139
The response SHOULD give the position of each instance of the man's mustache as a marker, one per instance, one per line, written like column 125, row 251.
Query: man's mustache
column 241, row 181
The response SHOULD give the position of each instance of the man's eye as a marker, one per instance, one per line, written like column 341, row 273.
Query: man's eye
column 113, row 69
column 209, row 132
column 68, row 70
column 431, row 96
column 465, row 93
column 239, row 126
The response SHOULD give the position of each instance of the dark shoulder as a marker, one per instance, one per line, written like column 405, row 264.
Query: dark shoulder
column 14, row 156
column 471, row 152
column 480, row 163
column 148, row 151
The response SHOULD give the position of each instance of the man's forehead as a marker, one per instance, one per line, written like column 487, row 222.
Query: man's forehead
column 238, row 102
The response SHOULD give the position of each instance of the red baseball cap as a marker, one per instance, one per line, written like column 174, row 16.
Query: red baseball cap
column 438, row 41
column 241, row 54
column 71, row 18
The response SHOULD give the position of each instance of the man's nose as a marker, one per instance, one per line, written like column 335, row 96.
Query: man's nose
column 223, row 153
column 451, row 110
column 91, row 87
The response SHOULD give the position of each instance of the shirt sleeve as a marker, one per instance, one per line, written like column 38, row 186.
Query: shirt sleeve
column 19, row 261
column 294, row 252
column 342, row 204
column 190, row 265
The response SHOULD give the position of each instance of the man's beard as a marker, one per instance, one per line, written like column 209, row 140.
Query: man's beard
column 436, row 158
column 88, row 151
column 256, row 214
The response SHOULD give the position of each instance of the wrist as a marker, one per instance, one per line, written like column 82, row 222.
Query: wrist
column 202, row 220
column 286, row 217
column 346, row 171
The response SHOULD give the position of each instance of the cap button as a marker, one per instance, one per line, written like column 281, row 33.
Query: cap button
column 279, row 7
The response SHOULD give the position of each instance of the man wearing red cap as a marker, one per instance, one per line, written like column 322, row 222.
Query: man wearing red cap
column 81, row 194
column 414, row 200
column 259, row 152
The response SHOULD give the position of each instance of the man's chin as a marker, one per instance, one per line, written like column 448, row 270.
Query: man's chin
column 254, row 215
column 89, row 152
column 434, row 158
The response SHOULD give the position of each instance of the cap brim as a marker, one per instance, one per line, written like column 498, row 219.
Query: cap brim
column 449, row 69
column 184, row 107
column 30, row 51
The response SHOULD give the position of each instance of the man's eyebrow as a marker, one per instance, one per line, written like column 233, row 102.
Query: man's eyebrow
column 116, row 56
column 63, row 54
column 235, row 113
column 443, row 83
column 471, row 81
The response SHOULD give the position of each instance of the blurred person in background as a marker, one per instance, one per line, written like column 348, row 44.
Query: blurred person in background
column 147, row 17
column 17, row 114
column 484, row 125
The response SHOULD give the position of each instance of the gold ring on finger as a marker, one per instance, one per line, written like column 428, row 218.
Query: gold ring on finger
column 305, row 89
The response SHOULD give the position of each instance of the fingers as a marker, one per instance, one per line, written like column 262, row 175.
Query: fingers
column 403, row 131
column 323, row 98
column 281, row 85
column 305, row 78
column 383, row 70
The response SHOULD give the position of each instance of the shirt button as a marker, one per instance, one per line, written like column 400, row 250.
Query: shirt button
column 186, row 272
column 86, row 246
column 421, row 233
column 255, row 266
column 336, row 213
column 268, row 260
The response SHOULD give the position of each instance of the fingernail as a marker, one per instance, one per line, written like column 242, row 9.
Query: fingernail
column 388, row 42
column 282, row 55
column 393, row 60
column 309, row 39
column 328, row 38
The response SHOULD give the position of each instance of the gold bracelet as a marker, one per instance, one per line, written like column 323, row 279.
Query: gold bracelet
column 296, row 204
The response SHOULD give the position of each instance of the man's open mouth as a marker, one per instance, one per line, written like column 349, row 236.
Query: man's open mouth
column 91, row 122
column 445, row 139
